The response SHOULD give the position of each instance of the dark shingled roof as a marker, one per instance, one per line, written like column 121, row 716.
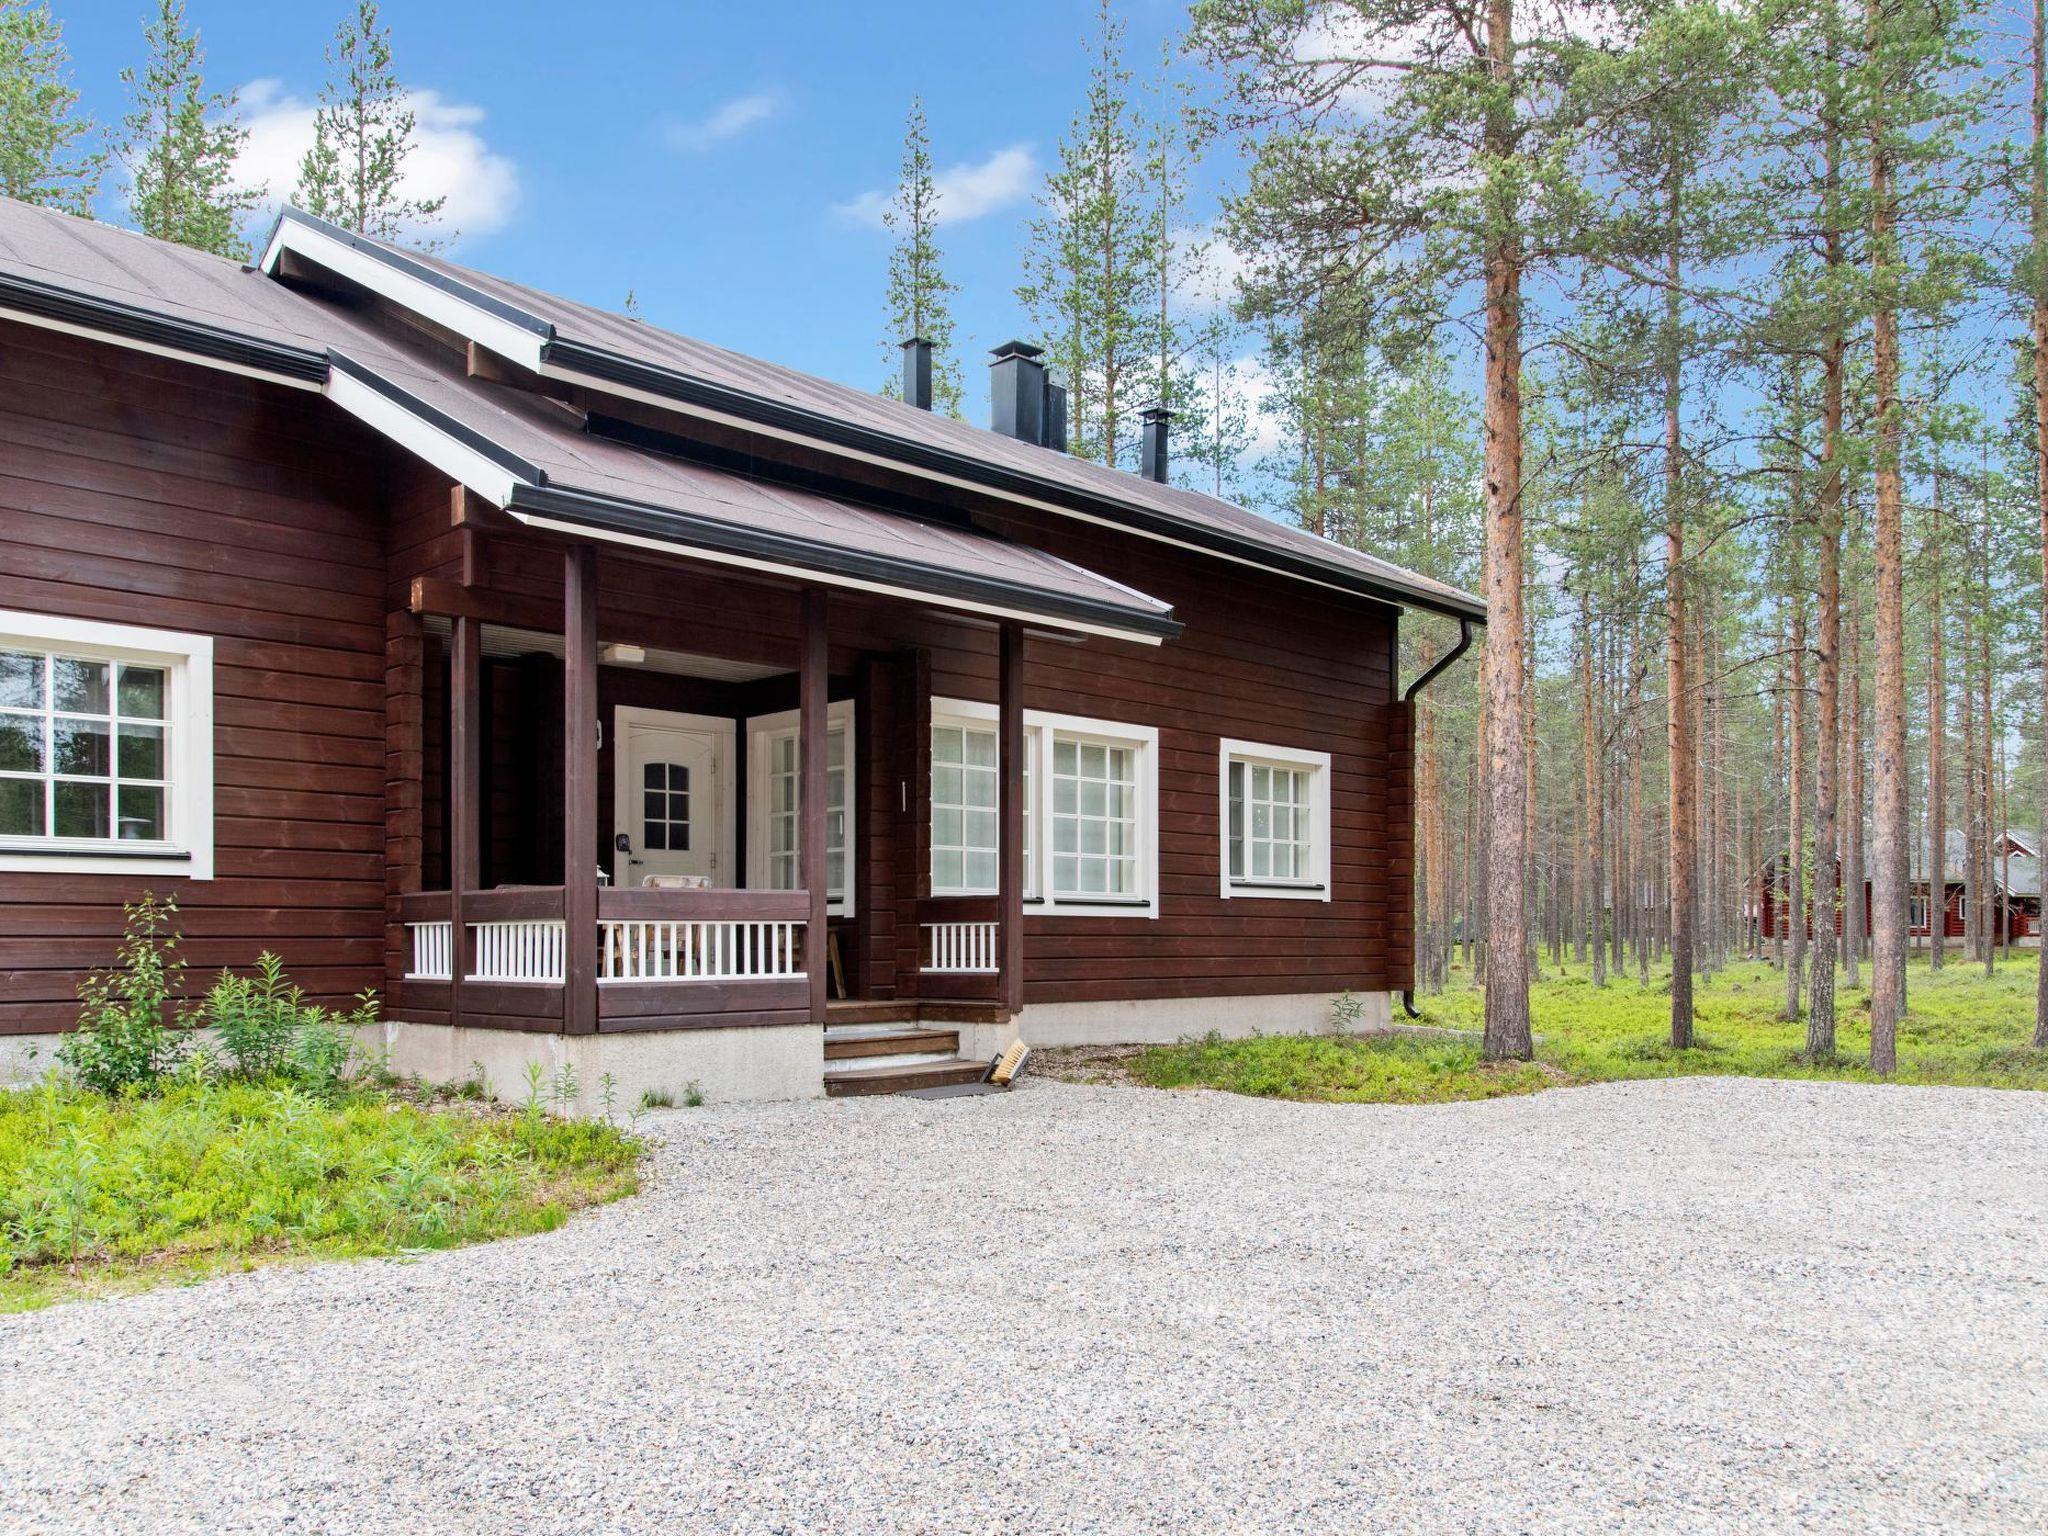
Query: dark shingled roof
column 594, row 341
column 97, row 276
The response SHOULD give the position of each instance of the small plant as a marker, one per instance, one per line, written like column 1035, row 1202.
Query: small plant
column 563, row 1087
column 608, row 1095
column 1346, row 1010
column 477, row 1086
column 693, row 1095
column 536, row 1083
column 269, row 1029
column 125, row 1039
column 657, row 1098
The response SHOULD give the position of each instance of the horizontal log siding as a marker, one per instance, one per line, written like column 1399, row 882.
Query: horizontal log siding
column 139, row 490
column 1262, row 659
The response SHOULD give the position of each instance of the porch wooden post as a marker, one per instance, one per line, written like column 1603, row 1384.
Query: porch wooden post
column 811, row 729
column 579, row 790
column 465, row 755
column 1010, row 820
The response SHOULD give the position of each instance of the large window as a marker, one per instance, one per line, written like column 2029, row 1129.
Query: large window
column 774, row 854
column 1275, row 816
column 1097, row 800
column 106, row 747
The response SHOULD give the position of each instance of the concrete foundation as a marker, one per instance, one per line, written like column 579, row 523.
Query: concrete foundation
column 723, row 1065
column 25, row 1058
column 1162, row 1020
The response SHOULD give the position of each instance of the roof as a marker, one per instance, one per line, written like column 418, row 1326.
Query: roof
column 525, row 453
column 565, row 339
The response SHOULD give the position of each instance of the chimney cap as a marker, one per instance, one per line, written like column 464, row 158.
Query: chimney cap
column 1016, row 349
column 1152, row 413
column 915, row 341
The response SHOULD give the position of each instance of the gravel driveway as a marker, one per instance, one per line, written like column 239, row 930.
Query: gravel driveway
column 1704, row 1305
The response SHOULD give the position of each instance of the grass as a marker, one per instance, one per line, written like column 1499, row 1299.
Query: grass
column 1961, row 1029
column 107, row 1194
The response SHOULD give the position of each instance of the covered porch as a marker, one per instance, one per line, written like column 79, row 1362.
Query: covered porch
column 620, row 829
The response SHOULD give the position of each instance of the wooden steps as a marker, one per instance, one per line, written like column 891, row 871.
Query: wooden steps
column 932, row 1074
column 896, row 1042
column 876, row 1058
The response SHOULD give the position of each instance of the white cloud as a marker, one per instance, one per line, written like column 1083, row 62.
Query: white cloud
column 1213, row 268
column 449, row 156
column 731, row 119
column 965, row 191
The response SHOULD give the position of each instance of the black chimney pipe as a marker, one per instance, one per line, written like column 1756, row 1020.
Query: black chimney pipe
column 1152, row 451
column 1017, row 392
column 917, row 372
column 1055, row 416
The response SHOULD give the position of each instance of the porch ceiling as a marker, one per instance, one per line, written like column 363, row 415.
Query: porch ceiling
column 502, row 640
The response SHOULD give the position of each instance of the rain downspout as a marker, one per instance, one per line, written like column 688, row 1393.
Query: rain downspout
column 1408, row 697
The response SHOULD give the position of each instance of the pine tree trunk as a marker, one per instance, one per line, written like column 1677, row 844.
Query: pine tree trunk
column 1507, row 1035
column 1855, row 868
column 1937, row 729
column 1795, row 808
column 1888, row 833
column 1827, row 872
column 1680, row 743
column 2039, row 242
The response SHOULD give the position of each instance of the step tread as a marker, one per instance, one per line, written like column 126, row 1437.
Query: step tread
column 896, row 1042
column 893, row 1079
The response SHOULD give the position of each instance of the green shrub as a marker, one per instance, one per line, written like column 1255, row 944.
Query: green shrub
column 125, row 1040
column 268, row 1029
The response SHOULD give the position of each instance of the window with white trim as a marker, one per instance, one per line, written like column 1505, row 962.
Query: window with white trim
column 106, row 748
column 774, row 758
column 1097, row 798
column 1275, row 816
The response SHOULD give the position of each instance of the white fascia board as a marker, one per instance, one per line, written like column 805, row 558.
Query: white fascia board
column 454, row 458
column 197, row 359
column 429, row 300
column 824, row 579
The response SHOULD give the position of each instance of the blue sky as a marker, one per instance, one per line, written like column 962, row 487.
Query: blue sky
column 704, row 155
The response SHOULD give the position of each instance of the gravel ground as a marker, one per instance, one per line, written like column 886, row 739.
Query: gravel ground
column 1706, row 1305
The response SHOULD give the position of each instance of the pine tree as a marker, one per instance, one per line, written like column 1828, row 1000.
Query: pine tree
column 2035, row 273
column 362, row 136
column 920, row 297
column 179, row 142
column 1092, row 259
column 43, row 153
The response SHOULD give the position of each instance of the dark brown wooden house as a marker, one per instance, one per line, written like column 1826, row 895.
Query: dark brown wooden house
column 608, row 699
column 2016, row 883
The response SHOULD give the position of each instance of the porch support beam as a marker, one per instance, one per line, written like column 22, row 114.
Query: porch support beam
column 465, row 774
column 579, row 790
column 1010, row 820
column 811, row 729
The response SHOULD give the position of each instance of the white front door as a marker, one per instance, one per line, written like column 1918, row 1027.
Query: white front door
column 671, row 797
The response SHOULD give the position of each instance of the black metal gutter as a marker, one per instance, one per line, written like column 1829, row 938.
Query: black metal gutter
column 131, row 322
column 1408, row 697
column 689, row 531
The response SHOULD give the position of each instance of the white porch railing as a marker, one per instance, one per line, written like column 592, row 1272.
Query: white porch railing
column 433, row 956
column 956, row 949
column 740, row 950
column 527, row 950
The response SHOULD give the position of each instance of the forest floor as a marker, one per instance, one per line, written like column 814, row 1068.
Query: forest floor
column 1962, row 1029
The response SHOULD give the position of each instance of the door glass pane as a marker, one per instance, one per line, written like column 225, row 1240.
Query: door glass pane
column 21, row 808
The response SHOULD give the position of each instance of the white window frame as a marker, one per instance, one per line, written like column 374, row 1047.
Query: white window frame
column 762, row 730
column 1040, row 729
column 188, row 713
column 1314, row 886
